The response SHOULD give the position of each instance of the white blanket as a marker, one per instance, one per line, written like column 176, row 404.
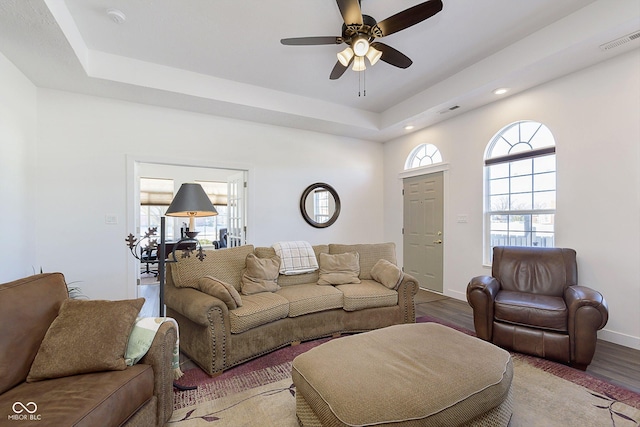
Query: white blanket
column 141, row 337
column 296, row 257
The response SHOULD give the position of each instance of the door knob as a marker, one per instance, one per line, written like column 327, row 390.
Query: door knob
column 437, row 242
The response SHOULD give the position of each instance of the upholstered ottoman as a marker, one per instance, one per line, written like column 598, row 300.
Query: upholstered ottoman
column 422, row 374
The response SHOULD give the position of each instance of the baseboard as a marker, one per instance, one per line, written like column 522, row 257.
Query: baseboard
column 462, row 296
column 619, row 338
column 430, row 290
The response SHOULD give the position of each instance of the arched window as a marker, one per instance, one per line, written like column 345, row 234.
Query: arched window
column 520, row 187
column 423, row 155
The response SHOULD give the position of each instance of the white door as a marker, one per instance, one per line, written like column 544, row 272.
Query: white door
column 236, row 190
column 423, row 227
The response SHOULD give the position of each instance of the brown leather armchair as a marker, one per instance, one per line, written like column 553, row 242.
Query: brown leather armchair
column 532, row 304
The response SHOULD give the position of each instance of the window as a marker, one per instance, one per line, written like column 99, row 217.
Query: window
column 209, row 227
column 423, row 155
column 156, row 195
column 321, row 206
column 520, row 187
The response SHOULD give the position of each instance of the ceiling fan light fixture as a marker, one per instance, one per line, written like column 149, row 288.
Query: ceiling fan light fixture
column 358, row 64
column 373, row 55
column 360, row 46
column 345, row 56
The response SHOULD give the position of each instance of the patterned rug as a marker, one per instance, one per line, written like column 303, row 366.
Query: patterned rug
column 260, row 392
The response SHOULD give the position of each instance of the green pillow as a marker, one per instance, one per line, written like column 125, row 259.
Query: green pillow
column 87, row 336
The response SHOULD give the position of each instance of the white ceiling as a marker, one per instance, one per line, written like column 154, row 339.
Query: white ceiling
column 224, row 57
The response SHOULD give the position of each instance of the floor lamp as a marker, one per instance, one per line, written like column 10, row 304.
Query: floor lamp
column 190, row 201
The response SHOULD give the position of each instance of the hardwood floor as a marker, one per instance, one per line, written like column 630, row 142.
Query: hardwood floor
column 612, row 362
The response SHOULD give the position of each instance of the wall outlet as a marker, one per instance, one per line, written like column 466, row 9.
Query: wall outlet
column 462, row 218
column 110, row 219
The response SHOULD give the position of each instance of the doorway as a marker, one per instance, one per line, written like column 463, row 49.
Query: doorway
column 423, row 219
column 153, row 188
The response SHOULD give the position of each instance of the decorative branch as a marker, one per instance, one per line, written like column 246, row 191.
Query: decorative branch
column 152, row 243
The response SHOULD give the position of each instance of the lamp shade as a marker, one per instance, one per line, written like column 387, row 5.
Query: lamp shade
column 358, row 64
column 191, row 201
column 345, row 56
column 373, row 55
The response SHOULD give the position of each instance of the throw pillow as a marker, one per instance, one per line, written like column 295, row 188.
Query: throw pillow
column 339, row 269
column 386, row 273
column 221, row 290
column 260, row 275
column 87, row 336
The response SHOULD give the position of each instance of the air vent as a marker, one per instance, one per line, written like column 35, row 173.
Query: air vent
column 455, row 107
column 619, row 42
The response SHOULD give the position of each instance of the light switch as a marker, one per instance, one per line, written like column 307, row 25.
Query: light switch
column 463, row 218
column 110, row 219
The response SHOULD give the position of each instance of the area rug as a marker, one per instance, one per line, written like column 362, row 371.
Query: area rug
column 261, row 393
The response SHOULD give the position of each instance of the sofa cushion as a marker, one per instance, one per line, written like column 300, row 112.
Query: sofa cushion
column 97, row 399
column 298, row 279
column 225, row 264
column 261, row 275
column 311, row 298
column 367, row 294
column 369, row 253
column 87, row 336
column 521, row 308
column 256, row 310
column 386, row 273
column 339, row 269
column 221, row 290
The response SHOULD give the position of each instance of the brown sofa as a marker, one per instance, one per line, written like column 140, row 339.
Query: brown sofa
column 217, row 338
column 532, row 303
column 140, row 395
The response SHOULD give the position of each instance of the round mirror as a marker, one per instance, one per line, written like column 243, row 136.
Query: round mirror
column 320, row 205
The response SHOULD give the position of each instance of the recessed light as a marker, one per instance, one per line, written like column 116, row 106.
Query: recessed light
column 501, row 91
column 408, row 127
column 116, row 15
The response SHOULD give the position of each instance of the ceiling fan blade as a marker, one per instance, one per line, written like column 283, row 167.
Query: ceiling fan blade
column 338, row 70
column 407, row 18
column 350, row 11
column 306, row 41
column 392, row 56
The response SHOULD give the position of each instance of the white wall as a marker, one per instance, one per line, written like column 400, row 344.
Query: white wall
column 85, row 144
column 18, row 123
column 594, row 115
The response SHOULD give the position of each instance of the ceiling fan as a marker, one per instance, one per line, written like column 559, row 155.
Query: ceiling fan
column 359, row 32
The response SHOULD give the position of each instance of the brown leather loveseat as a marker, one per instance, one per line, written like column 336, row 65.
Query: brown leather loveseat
column 532, row 304
column 138, row 395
